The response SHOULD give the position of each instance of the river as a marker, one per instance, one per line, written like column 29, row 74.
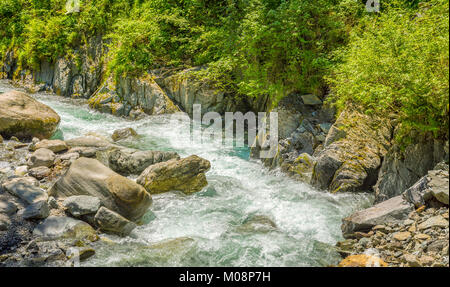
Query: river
column 207, row 226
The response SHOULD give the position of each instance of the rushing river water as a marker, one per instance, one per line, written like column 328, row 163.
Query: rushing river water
column 205, row 229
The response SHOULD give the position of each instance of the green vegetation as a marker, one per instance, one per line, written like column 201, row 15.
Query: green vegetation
column 394, row 61
column 398, row 62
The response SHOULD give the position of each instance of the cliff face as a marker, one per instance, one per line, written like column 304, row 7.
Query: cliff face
column 83, row 74
column 355, row 153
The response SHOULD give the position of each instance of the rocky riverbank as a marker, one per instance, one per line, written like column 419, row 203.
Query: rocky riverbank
column 358, row 153
column 410, row 230
column 57, row 197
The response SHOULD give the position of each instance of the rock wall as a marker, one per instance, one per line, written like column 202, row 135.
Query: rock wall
column 402, row 168
column 352, row 153
column 157, row 92
column 302, row 129
column 78, row 76
column 132, row 97
column 186, row 90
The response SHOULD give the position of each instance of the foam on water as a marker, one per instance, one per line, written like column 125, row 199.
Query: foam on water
column 207, row 223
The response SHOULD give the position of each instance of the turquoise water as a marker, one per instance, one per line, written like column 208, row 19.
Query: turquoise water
column 204, row 229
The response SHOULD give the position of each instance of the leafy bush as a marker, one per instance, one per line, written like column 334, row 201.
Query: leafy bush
column 397, row 62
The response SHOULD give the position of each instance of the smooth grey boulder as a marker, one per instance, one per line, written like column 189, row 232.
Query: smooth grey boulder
column 186, row 175
column 393, row 210
column 120, row 194
column 55, row 227
column 37, row 210
column 79, row 205
column 41, row 157
column 130, row 161
column 25, row 189
column 112, row 222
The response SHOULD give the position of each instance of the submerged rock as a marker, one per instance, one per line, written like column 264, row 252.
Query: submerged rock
column 89, row 177
column 24, row 117
column 186, row 175
column 257, row 224
column 124, row 134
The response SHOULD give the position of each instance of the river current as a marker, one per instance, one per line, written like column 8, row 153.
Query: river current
column 208, row 228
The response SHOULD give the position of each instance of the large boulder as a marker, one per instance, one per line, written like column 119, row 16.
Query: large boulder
column 120, row 194
column 352, row 153
column 24, row 117
column 393, row 210
column 130, row 161
column 186, row 175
